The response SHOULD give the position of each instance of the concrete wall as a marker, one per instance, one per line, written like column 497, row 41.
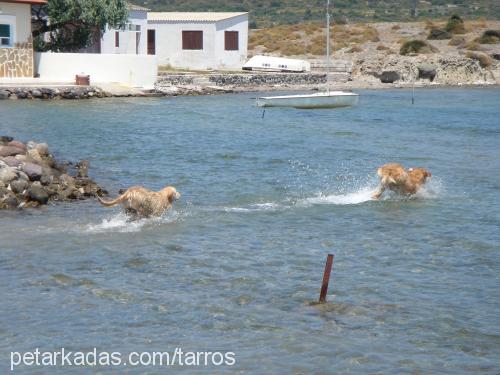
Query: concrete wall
column 213, row 56
column 128, row 70
column 16, row 60
column 127, row 37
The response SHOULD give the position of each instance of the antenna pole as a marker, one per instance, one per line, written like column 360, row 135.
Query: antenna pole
column 328, row 46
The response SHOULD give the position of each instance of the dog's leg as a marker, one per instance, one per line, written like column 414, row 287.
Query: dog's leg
column 379, row 192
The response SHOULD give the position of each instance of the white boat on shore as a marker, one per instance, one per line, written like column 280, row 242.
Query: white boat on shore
column 326, row 99
column 332, row 99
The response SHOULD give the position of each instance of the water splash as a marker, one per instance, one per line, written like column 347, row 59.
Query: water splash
column 360, row 196
column 122, row 223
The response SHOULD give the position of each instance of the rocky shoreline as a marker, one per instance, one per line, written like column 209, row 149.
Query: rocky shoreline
column 379, row 71
column 31, row 177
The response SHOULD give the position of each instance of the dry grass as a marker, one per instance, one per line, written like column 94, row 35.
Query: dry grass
column 473, row 46
column 310, row 38
column 484, row 60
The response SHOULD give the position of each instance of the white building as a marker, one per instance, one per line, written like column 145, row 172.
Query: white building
column 130, row 40
column 209, row 40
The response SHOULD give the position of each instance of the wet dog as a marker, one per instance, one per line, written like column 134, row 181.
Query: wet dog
column 140, row 202
column 394, row 177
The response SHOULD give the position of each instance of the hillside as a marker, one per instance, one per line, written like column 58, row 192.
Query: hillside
column 267, row 13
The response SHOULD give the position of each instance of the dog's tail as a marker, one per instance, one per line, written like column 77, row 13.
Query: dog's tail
column 118, row 200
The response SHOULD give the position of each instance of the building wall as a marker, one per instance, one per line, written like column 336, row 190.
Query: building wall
column 128, row 70
column 213, row 56
column 17, row 60
column 232, row 59
column 127, row 37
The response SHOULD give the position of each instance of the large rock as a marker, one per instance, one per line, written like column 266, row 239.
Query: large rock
column 34, row 171
column 7, row 174
column 389, row 76
column 42, row 148
column 427, row 71
column 17, row 144
column 18, row 186
column 11, row 161
column 4, row 94
column 38, row 194
column 10, row 151
column 67, row 181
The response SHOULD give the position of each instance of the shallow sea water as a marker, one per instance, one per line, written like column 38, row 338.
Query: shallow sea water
column 238, row 263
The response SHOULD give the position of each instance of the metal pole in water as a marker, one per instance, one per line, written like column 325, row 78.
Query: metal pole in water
column 412, row 85
column 326, row 278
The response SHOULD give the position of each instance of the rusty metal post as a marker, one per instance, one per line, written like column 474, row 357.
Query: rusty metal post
column 326, row 278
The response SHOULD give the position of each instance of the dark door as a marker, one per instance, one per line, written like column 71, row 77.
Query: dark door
column 151, row 42
column 137, row 41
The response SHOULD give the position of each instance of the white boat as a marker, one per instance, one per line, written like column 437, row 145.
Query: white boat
column 277, row 64
column 327, row 99
column 331, row 99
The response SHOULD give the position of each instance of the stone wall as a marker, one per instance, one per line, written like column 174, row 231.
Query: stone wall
column 17, row 62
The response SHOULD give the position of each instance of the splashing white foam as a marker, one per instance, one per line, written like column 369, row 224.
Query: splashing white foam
column 360, row 196
column 269, row 206
column 122, row 223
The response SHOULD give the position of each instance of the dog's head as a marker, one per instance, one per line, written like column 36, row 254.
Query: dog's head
column 420, row 174
column 171, row 193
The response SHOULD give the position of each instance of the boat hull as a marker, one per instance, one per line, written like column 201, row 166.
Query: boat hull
column 312, row 101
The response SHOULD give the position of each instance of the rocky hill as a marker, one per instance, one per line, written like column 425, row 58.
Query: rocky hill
column 266, row 13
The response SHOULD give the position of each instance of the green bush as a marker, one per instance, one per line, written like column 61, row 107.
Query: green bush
column 455, row 25
column 490, row 37
column 414, row 46
column 439, row 34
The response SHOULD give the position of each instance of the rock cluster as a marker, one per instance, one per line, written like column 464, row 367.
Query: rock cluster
column 268, row 79
column 73, row 92
column 438, row 69
column 30, row 176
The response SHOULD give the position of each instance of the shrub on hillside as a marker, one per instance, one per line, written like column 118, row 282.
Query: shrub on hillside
column 416, row 46
column 455, row 25
column 484, row 60
column 457, row 41
column 439, row 34
column 395, row 27
column 490, row 37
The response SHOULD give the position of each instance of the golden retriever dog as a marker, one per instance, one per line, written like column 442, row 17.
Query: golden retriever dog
column 142, row 203
column 405, row 182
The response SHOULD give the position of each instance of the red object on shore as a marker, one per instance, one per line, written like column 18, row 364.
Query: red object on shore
column 326, row 278
column 82, row 79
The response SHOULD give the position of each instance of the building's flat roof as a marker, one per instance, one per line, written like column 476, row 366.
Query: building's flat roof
column 193, row 16
column 35, row 2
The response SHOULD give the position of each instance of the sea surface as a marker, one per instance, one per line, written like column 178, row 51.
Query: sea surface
column 237, row 264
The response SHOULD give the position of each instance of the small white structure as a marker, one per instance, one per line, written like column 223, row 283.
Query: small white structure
column 208, row 40
column 132, row 39
column 128, row 70
column 277, row 64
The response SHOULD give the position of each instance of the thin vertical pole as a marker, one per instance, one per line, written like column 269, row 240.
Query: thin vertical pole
column 412, row 85
column 328, row 46
column 326, row 278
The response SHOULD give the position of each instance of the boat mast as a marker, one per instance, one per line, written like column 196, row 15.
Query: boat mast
column 328, row 46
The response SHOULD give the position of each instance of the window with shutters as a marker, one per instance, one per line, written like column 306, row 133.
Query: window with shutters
column 231, row 40
column 192, row 40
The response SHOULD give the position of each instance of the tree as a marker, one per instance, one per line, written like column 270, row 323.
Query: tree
column 69, row 25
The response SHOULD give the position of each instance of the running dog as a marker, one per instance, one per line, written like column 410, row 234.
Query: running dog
column 394, row 177
column 141, row 202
